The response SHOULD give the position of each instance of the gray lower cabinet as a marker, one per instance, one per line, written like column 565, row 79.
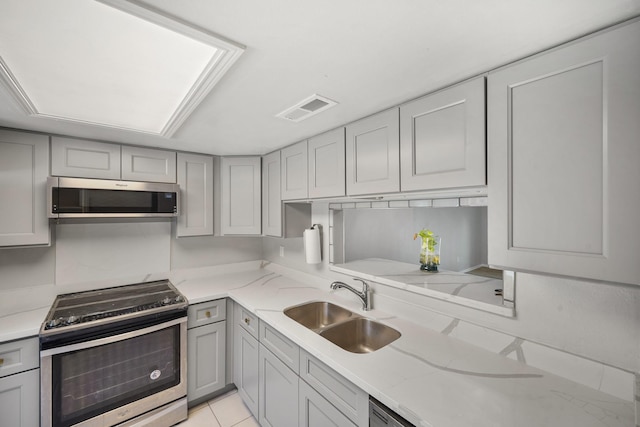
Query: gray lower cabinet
column 20, row 399
column 316, row 411
column 20, row 383
column 284, row 386
column 278, row 391
column 246, row 355
column 206, row 349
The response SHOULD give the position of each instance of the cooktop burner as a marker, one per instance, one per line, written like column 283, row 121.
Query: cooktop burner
column 84, row 309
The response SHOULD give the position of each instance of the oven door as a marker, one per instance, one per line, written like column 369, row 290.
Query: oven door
column 112, row 379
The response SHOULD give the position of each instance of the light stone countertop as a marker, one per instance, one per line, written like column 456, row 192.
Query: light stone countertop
column 429, row 378
column 460, row 288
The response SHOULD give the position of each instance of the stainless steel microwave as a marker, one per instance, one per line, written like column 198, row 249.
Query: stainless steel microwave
column 98, row 198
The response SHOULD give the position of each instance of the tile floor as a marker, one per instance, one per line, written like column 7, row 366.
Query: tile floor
column 224, row 411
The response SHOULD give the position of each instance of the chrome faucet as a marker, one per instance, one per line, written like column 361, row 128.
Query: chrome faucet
column 363, row 295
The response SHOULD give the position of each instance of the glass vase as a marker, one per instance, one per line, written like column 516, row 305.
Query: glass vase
column 430, row 253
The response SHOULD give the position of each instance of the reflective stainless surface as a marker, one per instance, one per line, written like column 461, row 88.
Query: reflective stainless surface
column 360, row 335
column 343, row 327
column 318, row 314
column 364, row 295
column 101, row 307
column 106, row 184
column 132, row 409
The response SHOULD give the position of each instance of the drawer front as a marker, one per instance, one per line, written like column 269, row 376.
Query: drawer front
column 247, row 320
column 18, row 356
column 342, row 393
column 285, row 349
column 206, row 312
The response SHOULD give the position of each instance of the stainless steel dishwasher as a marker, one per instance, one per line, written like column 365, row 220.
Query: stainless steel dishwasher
column 381, row 416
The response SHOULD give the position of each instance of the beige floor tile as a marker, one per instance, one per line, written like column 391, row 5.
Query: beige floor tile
column 230, row 410
column 200, row 416
column 249, row 422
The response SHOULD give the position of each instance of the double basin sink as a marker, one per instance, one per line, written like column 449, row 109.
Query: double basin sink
column 343, row 327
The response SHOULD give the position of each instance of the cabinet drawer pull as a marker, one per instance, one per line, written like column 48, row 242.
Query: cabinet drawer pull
column 246, row 320
column 208, row 314
column 1, row 361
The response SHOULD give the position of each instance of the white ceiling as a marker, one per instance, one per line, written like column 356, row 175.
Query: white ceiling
column 367, row 55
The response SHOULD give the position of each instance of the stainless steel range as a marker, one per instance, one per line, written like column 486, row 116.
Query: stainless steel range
column 115, row 356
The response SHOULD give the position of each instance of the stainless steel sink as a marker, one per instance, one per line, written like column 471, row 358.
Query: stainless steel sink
column 361, row 335
column 343, row 327
column 318, row 315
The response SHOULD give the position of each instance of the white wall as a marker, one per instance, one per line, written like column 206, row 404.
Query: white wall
column 88, row 255
column 388, row 234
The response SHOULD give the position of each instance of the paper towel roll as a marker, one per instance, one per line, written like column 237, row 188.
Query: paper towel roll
column 312, row 251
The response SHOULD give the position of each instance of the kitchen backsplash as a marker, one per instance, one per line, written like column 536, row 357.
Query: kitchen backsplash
column 93, row 255
column 584, row 330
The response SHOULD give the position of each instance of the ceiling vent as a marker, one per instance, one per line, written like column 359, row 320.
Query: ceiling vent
column 306, row 108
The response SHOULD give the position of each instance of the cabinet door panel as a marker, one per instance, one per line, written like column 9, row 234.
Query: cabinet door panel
column 24, row 162
column 271, row 200
column 294, row 171
column 84, row 159
column 546, row 194
column 195, row 178
column 443, row 139
column 20, row 399
column 241, row 195
column 564, row 186
column 315, row 411
column 206, row 354
column 327, row 165
column 246, row 363
column 148, row 164
column 342, row 393
column 278, row 392
column 373, row 154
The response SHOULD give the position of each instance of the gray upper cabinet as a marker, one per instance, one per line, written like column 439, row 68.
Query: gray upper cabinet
column 86, row 159
column 24, row 162
column 373, row 154
column 271, row 201
column 564, row 181
column 195, row 178
column 327, row 164
column 294, row 171
column 240, row 179
column 101, row 160
column 442, row 139
column 148, row 164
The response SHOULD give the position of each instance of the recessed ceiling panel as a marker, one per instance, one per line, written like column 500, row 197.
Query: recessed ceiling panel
column 111, row 63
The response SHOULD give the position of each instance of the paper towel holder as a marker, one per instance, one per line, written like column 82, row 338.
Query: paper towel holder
column 312, row 239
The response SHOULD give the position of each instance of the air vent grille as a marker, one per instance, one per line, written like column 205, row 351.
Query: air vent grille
column 306, row 108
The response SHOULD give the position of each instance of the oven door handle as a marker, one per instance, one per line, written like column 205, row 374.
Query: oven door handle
column 111, row 339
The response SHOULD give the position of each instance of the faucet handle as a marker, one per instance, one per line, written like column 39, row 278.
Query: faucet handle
column 365, row 285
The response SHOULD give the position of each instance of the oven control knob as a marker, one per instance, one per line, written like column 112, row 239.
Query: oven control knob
column 179, row 298
column 72, row 319
column 53, row 323
column 166, row 301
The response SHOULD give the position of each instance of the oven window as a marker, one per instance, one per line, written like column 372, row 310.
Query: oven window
column 91, row 381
